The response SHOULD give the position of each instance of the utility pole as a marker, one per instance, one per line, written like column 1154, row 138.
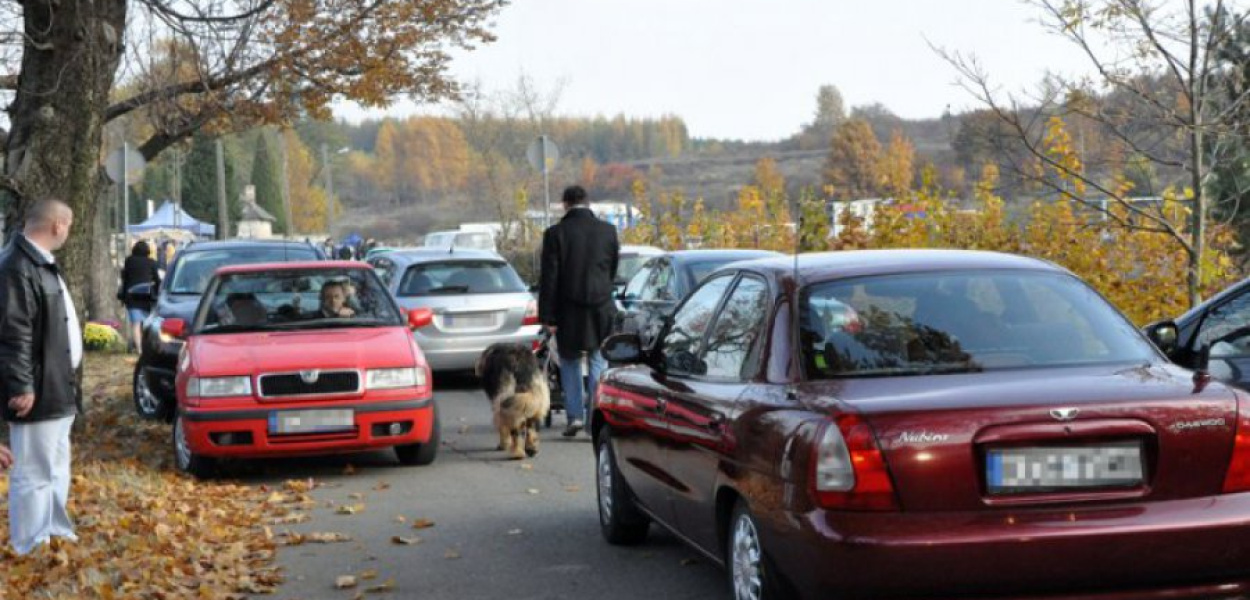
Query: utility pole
column 223, row 219
column 125, row 196
column 325, row 168
column 286, row 186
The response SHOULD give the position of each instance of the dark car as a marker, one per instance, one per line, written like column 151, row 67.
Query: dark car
column 1213, row 336
column 178, row 297
column 889, row 424
column 664, row 280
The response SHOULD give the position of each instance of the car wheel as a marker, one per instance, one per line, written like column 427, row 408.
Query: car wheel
column 619, row 518
column 187, row 460
column 751, row 575
column 147, row 403
column 424, row 453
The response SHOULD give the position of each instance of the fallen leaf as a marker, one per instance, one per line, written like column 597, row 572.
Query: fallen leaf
column 349, row 469
column 401, row 519
column 405, row 541
column 572, row 488
column 345, row 582
column 351, row 509
column 386, row 586
column 451, row 554
column 532, row 492
column 327, row 537
column 292, row 519
column 527, row 467
column 382, row 485
column 422, row 524
column 356, row 496
column 368, row 575
column 514, row 532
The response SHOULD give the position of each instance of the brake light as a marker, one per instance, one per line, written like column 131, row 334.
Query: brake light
column 1238, row 477
column 531, row 314
column 848, row 469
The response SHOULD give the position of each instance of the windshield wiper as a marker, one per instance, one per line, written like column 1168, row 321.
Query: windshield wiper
column 450, row 289
column 238, row 328
column 335, row 322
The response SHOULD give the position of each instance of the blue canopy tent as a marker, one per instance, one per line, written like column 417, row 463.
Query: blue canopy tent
column 171, row 217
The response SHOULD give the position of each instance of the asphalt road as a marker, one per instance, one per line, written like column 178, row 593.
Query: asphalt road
column 502, row 528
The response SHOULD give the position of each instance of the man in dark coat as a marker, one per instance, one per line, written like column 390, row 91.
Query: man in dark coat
column 40, row 352
column 580, row 256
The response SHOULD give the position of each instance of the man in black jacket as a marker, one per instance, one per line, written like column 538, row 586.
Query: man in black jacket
column 40, row 352
column 580, row 256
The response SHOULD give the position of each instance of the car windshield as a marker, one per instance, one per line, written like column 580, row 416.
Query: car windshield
column 193, row 270
column 961, row 322
column 629, row 266
column 460, row 277
column 296, row 299
column 700, row 270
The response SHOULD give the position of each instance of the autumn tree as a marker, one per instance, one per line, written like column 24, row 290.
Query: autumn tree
column 199, row 183
column 854, row 162
column 830, row 113
column 897, row 170
column 768, row 178
column 308, row 201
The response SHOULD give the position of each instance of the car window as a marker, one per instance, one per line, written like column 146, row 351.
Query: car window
column 460, row 277
column 658, row 286
column 629, row 265
column 385, row 269
column 1224, row 320
column 633, row 291
column 194, row 269
column 737, row 328
column 296, row 299
column 946, row 322
column 682, row 343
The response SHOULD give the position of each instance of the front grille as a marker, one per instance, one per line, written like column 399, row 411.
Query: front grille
column 293, row 384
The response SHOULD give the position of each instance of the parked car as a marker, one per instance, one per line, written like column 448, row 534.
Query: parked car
column 469, row 240
column 178, row 297
column 662, row 281
column 631, row 260
column 476, row 296
column 886, row 424
column 290, row 359
column 1213, row 337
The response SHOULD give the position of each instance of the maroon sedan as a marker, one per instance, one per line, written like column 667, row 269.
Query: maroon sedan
column 924, row 423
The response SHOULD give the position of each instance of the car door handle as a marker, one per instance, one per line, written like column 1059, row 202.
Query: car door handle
column 716, row 421
column 661, row 403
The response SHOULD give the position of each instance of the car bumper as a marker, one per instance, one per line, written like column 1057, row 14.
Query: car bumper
column 460, row 353
column 244, row 432
column 1175, row 549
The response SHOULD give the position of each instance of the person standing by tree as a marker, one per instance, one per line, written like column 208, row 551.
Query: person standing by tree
column 40, row 352
column 579, row 260
column 139, row 269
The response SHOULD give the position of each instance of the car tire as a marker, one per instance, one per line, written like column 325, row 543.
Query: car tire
column 187, row 461
column 751, row 574
column 620, row 520
column 148, row 404
column 424, row 453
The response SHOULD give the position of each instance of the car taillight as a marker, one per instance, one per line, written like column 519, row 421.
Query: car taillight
column 531, row 314
column 848, row 470
column 1238, row 477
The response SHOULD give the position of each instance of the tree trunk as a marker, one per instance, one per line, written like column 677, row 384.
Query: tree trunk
column 69, row 61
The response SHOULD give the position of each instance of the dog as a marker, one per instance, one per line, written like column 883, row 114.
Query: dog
column 519, row 396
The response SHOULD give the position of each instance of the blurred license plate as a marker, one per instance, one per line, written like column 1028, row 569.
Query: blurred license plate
column 1017, row 470
column 311, row 421
column 469, row 321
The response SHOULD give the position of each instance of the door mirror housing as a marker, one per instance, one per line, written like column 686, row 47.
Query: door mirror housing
column 420, row 317
column 143, row 292
column 623, row 349
column 1165, row 335
column 174, row 328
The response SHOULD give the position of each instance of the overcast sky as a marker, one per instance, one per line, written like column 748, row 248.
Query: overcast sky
column 749, row 69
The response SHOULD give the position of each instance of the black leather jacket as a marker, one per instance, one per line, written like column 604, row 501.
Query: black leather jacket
column 34, row 338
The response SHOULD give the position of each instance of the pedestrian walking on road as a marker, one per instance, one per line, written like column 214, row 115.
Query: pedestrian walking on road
column 40, row 352
column 139, row 269
column 579, row 260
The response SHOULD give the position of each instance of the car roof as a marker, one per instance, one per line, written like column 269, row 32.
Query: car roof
column 319, row 265
column 853, row 263
column 683, row 257
column 244, row 243
column 440, row 253
column 645, row 250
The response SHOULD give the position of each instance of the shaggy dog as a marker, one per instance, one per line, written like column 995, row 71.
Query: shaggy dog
column 518, row 393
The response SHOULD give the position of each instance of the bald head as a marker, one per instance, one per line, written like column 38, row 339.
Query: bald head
column 48, row 222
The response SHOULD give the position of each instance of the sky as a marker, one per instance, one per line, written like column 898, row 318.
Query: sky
column 750, row 69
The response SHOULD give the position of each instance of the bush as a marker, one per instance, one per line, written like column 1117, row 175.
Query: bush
column 99, row 337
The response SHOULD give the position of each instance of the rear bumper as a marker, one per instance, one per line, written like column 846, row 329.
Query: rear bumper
column 1176, row 549
column 460, row 353
column 248, row 429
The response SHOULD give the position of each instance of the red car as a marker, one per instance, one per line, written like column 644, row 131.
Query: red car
column 300, row 359
column 948, row 424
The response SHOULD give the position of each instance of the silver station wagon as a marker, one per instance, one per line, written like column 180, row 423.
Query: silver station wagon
column 476, row 296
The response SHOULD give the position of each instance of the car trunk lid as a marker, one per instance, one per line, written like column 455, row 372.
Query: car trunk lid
column 1058, row 434
column 458, row 315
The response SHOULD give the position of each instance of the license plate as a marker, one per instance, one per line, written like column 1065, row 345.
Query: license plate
column 311, row 421
column 469, row 321
column 1038, row 469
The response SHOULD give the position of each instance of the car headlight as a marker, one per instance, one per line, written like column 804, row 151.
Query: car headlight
column 385, row 379
column 219, row 387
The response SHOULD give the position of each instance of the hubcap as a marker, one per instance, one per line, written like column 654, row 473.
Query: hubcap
column 147, row 400
column 746, row 560
column 605, row 486
column 182, row 450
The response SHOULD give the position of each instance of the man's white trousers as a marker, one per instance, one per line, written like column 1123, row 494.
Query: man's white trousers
column 39, row 483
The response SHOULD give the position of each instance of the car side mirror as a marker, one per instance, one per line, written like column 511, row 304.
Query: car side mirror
column 1165, row 335
column 623, row 349
column 174, row 328
column 420, row 317
column 143, row 291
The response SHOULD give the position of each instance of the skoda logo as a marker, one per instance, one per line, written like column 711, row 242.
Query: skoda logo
column 1064, row 414
column 310, row 377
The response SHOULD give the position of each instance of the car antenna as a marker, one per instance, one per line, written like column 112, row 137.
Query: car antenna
column 796, row 331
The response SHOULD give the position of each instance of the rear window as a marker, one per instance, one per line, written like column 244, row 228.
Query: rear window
column 961, row 322
column 460, row 277
column 194, row 269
